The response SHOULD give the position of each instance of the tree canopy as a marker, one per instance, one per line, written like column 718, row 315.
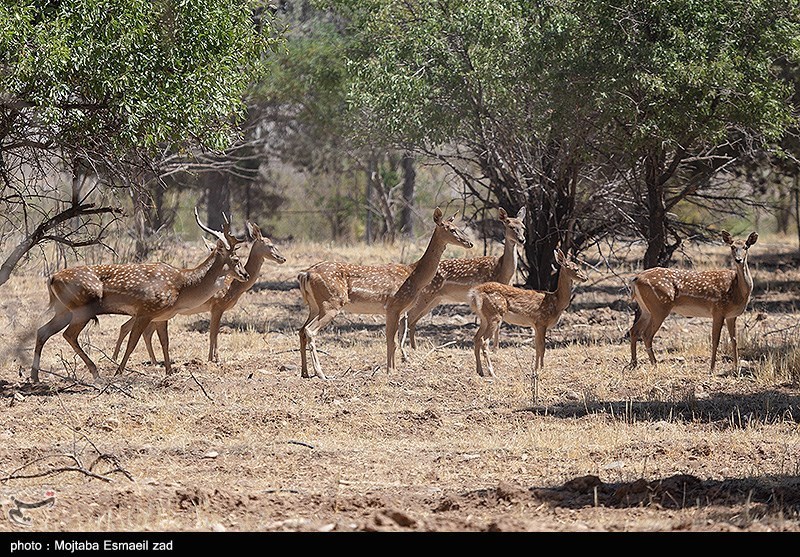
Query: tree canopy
column 585, row 111
column 99, row 88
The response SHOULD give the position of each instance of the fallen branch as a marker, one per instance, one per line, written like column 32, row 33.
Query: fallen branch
column 293, row 442
column 435, row 348
column 79, row 467
column 201, row 386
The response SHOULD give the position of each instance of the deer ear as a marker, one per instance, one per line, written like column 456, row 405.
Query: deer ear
column 559, row 256
column 437, row 215
column 209, row 244
column 253, row 230
column 727, row 237
column 451, row 219
column 503, row 214
column 521, row 213
column 752, row 239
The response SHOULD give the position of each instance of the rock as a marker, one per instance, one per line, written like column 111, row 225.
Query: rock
column 211, row 454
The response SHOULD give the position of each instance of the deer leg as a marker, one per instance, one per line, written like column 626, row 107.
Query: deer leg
column 392, row 324
column 496, row 337
column 652, row 328
column 213, row 334
column 640, row 323
column 420, row 309
column 716, row 329
column 313, row 315
column 404, row 325
column 491, row 330
column 307, row 334
column 148, row 342
column 71, row 335
column 123, row 332
column 539, row 359
column 163, row 337
column 478, row 345
column 540, row 346
column 138, row 327
column 731, row 323
column 56, row 323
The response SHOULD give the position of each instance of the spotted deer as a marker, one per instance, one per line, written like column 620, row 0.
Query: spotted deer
column 145, row 291
column 455, row 277
column 719, row 294
column 330, row 287
column 224, row 299
column 494, row 303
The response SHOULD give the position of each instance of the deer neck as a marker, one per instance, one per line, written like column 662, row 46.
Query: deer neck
column 564, row 291
column 744, row 282
column 424, row 269
column 507, row 261
column 200, row 283
column 253, row 267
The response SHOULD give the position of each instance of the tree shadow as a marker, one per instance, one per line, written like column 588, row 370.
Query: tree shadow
column 275, row 285
column 760, row 495
column 726, row 410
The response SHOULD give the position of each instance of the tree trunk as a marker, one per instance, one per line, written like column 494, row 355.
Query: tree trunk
column 409, row 180
column 218, row 198
column 656, row 253
column 550, row 208
column 367, row 201
column 797, row 206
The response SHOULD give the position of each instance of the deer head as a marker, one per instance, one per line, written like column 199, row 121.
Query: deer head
column 568, row 266
column 739, row 248
column 226, row 246
column 263, row 245
column 515, row 227
column 453, row 234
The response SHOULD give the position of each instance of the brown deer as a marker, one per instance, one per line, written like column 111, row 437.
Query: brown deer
column 494, row 303
column 721, row 294
column 330, row 287
column 146, row 291
column 224, row 299
column 455, row 277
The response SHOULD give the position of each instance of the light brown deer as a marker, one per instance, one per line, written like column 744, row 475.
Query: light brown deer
column 422, row 273
column 455, row 277
column 721, row 294
column 494, row 303
column 146, row 291
column 329, row 287
column 224, row 299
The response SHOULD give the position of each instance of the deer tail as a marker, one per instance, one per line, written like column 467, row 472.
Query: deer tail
column 303, row 279
column 475, row 300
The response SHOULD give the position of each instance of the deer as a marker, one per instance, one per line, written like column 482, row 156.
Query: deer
column 495, row 302
column 145, row 291
column 719, row 294
column 224, row 299
column 330, row 287
column 455, row 277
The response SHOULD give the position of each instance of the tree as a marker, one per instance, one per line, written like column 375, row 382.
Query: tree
column 475, row 85
column 109, row 86
column 685, row 89
column 303, row 102
column 599, row 117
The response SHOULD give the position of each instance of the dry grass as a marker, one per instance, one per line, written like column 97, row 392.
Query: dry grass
column 248, row 445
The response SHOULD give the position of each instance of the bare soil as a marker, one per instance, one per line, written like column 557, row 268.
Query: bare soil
column 248, row 445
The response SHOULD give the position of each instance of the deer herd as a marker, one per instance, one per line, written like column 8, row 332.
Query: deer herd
column 153, row 293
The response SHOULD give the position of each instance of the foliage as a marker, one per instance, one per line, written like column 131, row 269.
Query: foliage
column 92, row 91
column 580, row 109
column 133, row 73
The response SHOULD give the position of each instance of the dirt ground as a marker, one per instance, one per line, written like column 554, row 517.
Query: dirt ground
column 248, row 445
